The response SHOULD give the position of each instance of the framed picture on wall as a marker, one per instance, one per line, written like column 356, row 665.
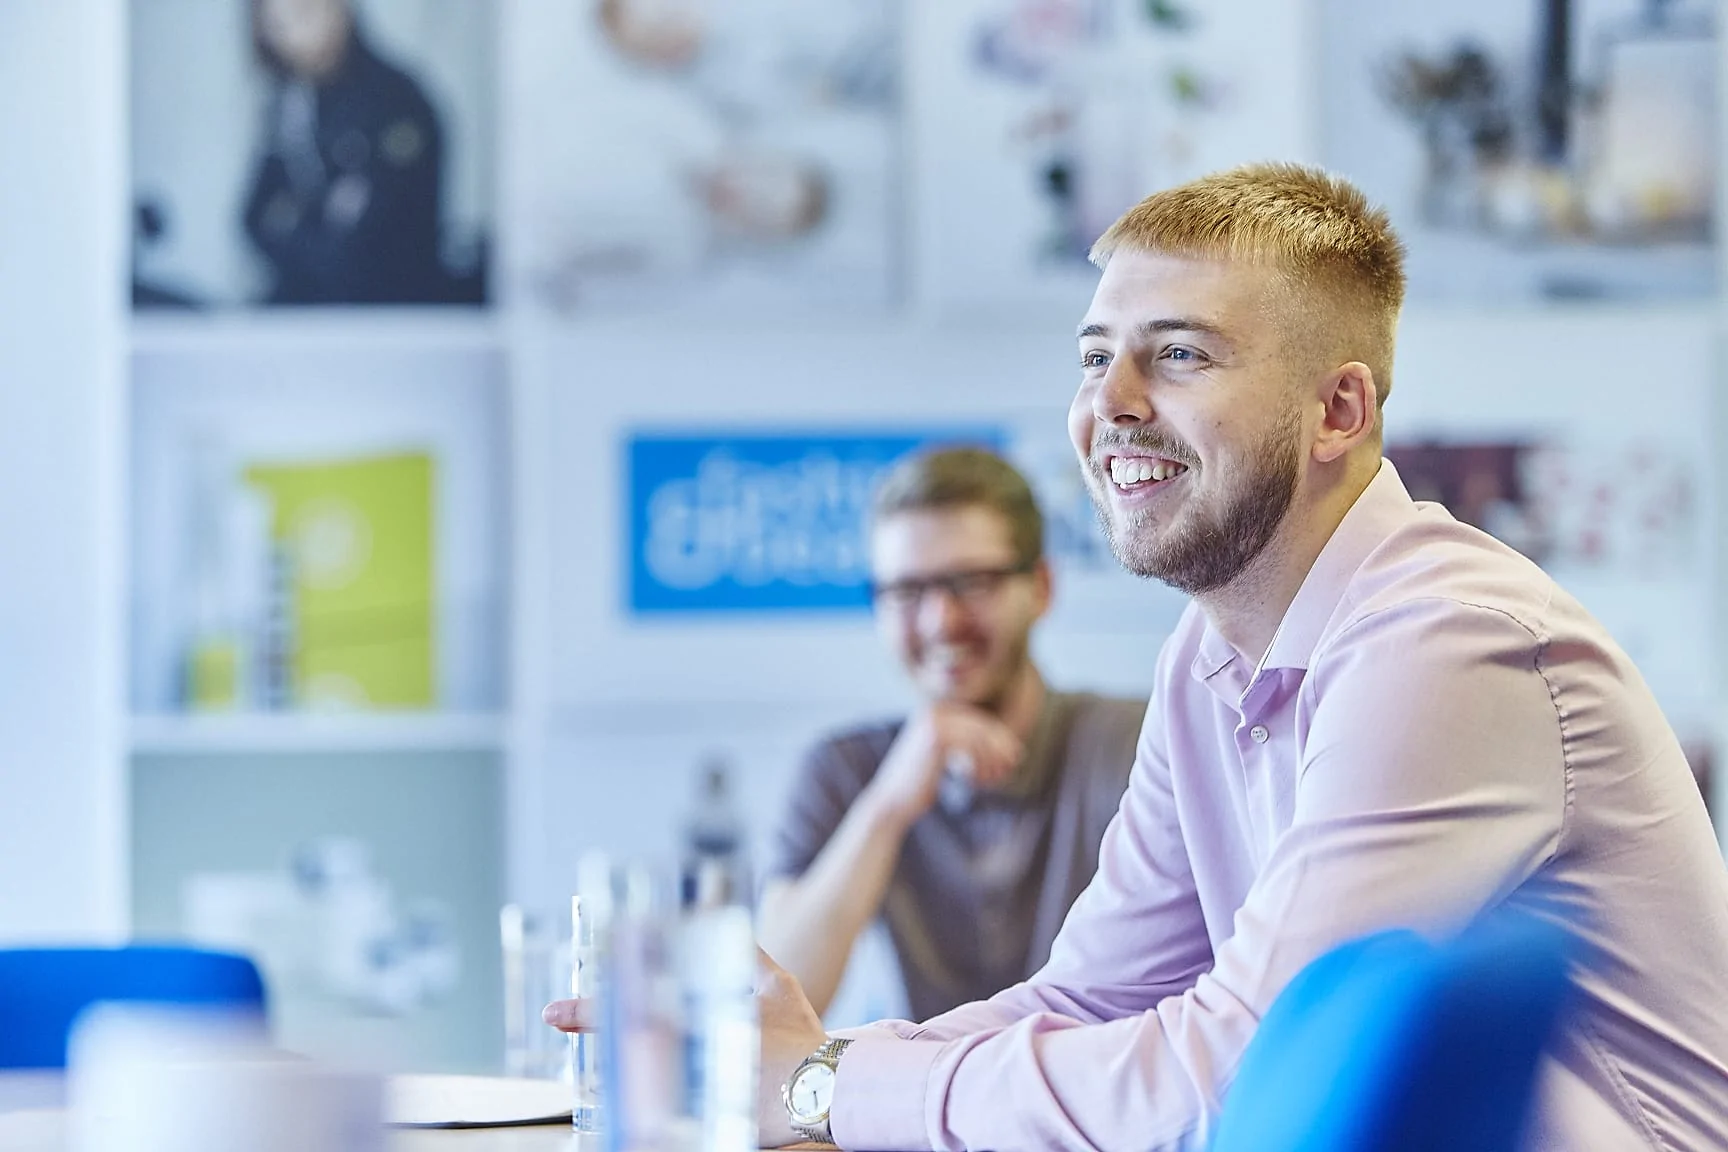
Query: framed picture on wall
column 1546, row 149
column 310, row 152
column 1034, row 124
column 705, row 155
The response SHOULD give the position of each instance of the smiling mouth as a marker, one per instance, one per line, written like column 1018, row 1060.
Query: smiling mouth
column 1139, row 473
column 949, row 658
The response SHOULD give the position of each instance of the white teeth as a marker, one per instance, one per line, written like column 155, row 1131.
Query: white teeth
column 946, row 655
column 1130, row 472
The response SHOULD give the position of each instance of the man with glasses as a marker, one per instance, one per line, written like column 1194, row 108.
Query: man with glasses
column 970, row 826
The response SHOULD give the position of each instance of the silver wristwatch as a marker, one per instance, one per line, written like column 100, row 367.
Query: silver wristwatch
column 809, row 1092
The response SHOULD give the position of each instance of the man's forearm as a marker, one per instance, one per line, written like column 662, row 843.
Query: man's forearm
column 810, row 925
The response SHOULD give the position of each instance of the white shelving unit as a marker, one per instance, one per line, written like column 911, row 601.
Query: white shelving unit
column 427, row 794
column 424, row 786
column 424, row 794
column 248, row 734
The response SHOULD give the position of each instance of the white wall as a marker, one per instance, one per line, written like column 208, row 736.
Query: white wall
column 62, row 829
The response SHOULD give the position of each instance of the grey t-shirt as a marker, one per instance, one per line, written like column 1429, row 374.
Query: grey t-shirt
column 979, row 890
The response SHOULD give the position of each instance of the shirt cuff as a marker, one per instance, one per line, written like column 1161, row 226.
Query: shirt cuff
column 880, row 1093
column 904, row 1029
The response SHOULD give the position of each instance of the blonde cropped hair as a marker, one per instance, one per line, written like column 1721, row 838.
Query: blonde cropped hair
column 1316, row 228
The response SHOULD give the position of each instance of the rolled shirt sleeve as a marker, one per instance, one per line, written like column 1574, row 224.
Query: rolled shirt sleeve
column 1420, row 776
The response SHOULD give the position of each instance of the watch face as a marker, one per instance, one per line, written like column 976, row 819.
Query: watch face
column 811, row 1092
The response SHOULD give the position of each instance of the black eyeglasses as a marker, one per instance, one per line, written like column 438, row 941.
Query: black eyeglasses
column 971, row 587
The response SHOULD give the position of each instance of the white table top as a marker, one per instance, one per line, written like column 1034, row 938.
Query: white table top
column 33, row 1119
column 44, row 1130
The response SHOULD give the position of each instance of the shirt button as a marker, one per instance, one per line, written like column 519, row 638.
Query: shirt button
column 1259, row 733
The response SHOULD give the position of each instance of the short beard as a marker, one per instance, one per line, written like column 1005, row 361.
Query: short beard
column 1211, row 549
column 994, row 697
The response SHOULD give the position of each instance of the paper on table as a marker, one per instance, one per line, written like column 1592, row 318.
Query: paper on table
column 474, row 1101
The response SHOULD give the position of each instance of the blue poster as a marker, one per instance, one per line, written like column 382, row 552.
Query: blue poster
column 760, row 522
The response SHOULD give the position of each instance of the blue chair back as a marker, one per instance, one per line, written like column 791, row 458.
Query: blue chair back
column 1395, row 1044
column 42, row 990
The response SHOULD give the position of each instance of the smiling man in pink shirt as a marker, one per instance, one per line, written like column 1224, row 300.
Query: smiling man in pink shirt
column 1371, row 716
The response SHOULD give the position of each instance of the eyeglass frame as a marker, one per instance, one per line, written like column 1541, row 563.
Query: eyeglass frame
column 902, row 596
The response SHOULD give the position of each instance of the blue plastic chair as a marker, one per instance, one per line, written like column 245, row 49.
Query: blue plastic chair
column 42, row 991
column 1395, row 1044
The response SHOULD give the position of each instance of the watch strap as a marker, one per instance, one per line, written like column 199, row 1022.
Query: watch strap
column 828, row 1054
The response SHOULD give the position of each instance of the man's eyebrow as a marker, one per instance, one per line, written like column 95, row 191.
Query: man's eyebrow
column 1155, row 327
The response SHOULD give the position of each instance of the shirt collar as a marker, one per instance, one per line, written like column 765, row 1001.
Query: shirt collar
column 1213, row 655
column 1381, row 507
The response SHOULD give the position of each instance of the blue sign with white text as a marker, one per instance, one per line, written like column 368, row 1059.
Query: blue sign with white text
column 769, row 522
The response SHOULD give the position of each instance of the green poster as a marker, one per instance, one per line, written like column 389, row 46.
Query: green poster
column 358, row 536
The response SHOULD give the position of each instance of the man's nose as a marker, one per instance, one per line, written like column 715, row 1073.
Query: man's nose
column 940, row 612
column 1122, row 397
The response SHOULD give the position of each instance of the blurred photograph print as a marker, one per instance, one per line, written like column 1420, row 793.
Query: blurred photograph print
column 719, row 155
column 1052, row 51
column 1038, row 122
column 310, row 152
column 1630, row 510
column 1537, row 149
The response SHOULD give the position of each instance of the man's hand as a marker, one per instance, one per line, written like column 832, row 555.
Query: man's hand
column 945, row 734
column 791, row 1030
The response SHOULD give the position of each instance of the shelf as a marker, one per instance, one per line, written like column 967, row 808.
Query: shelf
column 318, row 732
column 292, row 330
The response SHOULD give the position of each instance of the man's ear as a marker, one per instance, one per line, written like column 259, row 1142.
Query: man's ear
column 1350, row 413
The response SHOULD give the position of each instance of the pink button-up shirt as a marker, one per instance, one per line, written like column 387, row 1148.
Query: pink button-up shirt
column 1437, row 729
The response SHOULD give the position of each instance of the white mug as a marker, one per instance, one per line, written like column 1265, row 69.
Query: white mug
column 152, row 1079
